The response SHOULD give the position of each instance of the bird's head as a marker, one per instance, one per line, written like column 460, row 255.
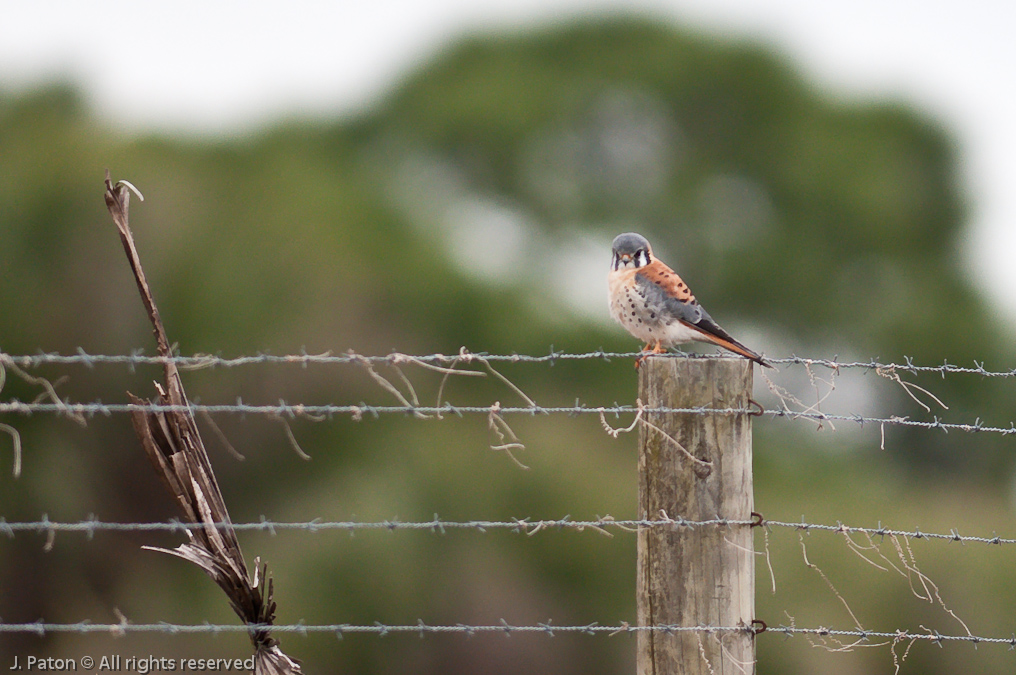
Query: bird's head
column 631, row 250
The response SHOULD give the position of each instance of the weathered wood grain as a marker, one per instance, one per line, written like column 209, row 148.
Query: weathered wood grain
column 692, row 576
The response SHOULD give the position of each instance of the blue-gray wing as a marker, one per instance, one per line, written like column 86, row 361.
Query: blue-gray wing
column 659, row 299
column 690, row 313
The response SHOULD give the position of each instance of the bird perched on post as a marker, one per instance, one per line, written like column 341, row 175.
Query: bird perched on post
column 656, row 306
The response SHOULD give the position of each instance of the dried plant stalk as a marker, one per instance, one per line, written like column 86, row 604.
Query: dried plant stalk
column 174, row 446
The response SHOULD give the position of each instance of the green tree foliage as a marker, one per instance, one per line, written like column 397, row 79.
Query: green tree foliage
column 451, row 215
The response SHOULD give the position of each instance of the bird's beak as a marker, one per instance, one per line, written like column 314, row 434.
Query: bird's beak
column 621, row 260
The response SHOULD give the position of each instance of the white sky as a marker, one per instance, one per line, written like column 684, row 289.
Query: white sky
column 227, row 66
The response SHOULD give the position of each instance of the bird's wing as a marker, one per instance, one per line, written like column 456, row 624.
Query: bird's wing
column 667, row 281
column 663, row 286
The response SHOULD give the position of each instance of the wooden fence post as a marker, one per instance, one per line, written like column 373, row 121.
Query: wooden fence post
column 692, row 576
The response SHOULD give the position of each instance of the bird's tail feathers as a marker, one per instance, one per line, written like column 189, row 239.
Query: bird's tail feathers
column 738, row 348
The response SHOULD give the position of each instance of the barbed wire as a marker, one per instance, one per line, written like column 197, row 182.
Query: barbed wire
column 137, row 357
column 422, row 629
column 526, row 526
column 357, row 412
column 377, row 628
column 517, row 525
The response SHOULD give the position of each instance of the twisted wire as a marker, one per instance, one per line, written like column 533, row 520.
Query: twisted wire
column 357, row 412
column 420, row 628
column 517, row 525
column 137, row 357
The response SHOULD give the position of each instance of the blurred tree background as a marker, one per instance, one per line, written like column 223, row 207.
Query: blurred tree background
column 474, row 207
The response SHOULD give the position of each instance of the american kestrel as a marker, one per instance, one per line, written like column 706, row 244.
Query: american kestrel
column 654, row 305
